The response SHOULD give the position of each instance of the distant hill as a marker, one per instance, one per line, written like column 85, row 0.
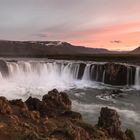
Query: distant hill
column 135, row 51
column 43, row 48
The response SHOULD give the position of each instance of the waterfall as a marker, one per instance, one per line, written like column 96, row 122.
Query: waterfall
column 128, row 75
column 103, row 79
column 137, row 78
column 1, row 76
column 97, row 73
column 86, row 75
column 44, row 68
column 37, row 76
column 24, row 78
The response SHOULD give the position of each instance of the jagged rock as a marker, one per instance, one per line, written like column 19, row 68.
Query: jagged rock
column 35, row 116
column 35, row 104
column 113, row 73
column 57, row 101
column 20, row 108
column 130, row 135
column 72, row 114
column 5, row 107
column 29, row 120
column 116, row 74
column 110, row 121
column 52, row 103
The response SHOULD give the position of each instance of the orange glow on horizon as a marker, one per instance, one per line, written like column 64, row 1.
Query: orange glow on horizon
column 117, row 37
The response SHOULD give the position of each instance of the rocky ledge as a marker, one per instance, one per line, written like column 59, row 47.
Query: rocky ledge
column 52, row 119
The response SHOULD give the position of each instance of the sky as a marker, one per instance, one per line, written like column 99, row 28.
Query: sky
column 110, row 24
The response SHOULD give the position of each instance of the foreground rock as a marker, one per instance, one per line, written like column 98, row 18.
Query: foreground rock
column 110, row 121
column 52, row 119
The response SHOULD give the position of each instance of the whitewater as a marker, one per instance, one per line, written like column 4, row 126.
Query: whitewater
column 35, row 77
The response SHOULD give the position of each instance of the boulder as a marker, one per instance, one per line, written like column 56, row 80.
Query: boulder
column 57, row 101
column 52, row 104
column 35, row 104
column 110, row 121
column 5, row 107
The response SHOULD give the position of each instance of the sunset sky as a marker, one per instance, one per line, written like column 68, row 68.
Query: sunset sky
column 111, row 24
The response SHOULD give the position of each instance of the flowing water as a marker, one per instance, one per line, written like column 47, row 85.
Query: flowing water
column 36, row 77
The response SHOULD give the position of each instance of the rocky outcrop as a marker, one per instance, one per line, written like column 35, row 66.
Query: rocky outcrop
column 52, row 104
column 110, row 121
column 118, row 74
column 113, row 73
column 31, row 120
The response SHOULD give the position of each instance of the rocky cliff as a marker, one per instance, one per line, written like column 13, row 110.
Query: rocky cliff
column 52, row 119
column 110, row 73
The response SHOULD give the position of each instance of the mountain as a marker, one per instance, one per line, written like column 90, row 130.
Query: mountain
column 136, row 51
column 43, row 48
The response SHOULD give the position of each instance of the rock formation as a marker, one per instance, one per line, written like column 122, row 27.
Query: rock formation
column 53, row 119
column 113, row 73
column 110, row 121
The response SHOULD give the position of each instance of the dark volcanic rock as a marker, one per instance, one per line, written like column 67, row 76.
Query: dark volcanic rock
column 4, row 68
column 129, row 133
column 72, row 114
column 5, row 107
column 52, row 103
column 113, row 73
column 57, row 99
column 35, row 104
column 110, row 121
column 116, row 74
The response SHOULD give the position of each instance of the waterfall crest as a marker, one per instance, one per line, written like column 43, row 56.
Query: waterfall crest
column 60, row 73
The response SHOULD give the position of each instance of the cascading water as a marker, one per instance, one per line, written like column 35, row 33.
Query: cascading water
column 37, row 76
column 103, row 79
column 86, row 75
column 137, row 78
column 1, row 76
